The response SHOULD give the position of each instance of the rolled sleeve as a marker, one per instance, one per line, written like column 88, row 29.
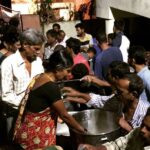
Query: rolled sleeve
column 98, row 101
column 8, row 94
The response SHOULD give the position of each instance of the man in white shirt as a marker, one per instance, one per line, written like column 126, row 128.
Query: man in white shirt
column 120, row 40
column 62, row 38
column 51, row 43
column 125, row 44
column 18, row 69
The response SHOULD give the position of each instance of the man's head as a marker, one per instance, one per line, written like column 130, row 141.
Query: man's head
column 51, row 36
column 56, row 27
column 145, row 127
column 118, row 26
column 31, row 41
column 116, row 70
column 111, row 36
column 79, row 29
column 102, row 40
column 129, row 87
column 79, row 71
column 91, row 52
column 136, row 55
column 73, row 45
column 11, row 39
column 61, row 35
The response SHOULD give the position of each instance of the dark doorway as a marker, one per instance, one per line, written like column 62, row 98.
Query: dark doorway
column 93, row 26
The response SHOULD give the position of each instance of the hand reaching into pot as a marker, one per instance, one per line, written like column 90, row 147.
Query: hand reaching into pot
column 75, row 99
column 71, row 92
column 76, row 96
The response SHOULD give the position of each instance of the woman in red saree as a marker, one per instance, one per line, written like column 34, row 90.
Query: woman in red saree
column 36, row 127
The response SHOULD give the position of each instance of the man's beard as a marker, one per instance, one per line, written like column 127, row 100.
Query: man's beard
column 31, row 59
column 79, row 35
column 126, row 106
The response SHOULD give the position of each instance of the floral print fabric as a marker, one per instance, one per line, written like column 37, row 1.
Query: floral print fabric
column 38, row 130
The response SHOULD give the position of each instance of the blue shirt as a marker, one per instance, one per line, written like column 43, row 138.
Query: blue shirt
column 104, row 59
column 117, row 40
column 98, row 50
column 144, row 74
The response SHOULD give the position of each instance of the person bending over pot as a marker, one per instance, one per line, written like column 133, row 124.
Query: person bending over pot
column 36, row 127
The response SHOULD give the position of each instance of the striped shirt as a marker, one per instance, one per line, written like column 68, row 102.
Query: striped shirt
column 48, row 51
column 139, row 113
column 98, row 101
column 144, row 74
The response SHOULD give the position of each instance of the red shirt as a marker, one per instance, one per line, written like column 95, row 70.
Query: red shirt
column 80, row 59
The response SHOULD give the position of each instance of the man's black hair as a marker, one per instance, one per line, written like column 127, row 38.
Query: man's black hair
column 135, row 83
column 79, row 71
column 91, row 49
column 138, row 54
column 79, row 25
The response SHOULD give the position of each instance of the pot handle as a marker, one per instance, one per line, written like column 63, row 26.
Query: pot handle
column 104, row 139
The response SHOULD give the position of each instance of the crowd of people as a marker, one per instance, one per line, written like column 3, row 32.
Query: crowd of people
column 33, row 66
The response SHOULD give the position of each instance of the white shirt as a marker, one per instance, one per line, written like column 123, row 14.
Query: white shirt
column 48, row 51
column 15, row 77
column 125, row 43
column 63, row 43
column 98, row 101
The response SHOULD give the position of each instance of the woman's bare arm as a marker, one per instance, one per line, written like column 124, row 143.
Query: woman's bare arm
column 68, row 119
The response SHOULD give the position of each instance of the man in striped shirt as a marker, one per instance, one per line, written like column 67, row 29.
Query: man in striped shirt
column 129, row 87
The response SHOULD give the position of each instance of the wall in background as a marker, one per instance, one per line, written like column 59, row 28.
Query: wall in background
column 67, row 26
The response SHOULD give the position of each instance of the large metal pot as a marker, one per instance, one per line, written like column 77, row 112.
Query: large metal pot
column 102, row 126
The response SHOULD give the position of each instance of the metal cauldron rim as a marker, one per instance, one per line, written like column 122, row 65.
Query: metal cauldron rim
column 92, row 134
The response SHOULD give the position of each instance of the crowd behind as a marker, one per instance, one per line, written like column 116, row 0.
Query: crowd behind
column 105, row 72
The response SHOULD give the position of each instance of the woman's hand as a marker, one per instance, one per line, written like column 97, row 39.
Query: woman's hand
column 76, row 96
column 59, row 107
column 75, row 99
